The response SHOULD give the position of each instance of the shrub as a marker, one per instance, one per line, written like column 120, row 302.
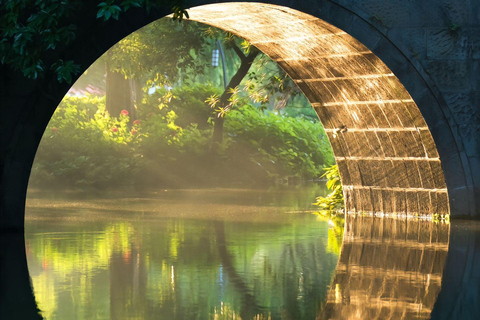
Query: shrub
column 84, row 147
column 284, row 147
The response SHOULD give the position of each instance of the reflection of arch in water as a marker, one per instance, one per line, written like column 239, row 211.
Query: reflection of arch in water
column 388, row 269
column 387, row 158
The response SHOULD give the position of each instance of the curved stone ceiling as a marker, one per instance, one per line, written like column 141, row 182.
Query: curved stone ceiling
column 386, row 155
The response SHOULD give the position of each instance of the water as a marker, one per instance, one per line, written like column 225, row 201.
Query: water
column 180, row 254
column 232, row 254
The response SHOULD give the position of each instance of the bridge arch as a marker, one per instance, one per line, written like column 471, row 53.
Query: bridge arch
column 395, row 113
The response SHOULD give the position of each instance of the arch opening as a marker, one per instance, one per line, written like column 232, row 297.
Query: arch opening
column 376, row 117
column 387, row 158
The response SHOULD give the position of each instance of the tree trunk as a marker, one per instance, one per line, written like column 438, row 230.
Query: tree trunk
column 121, row 93
column 217, row 137
column 118, row 93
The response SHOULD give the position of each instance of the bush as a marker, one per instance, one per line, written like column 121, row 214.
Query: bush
column 284, row 147
column 187, row 102
column 83, row 147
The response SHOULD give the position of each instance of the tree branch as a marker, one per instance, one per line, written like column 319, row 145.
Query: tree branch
column 238, row 51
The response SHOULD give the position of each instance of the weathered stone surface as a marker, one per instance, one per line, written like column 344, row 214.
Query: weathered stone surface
column 414, row 40
column 453, row 75
column 446, row 44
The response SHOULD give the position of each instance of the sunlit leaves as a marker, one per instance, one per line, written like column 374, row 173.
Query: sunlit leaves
column 179, row 13
column 246, row 46
column 158, row 51
column 334, row 200
column 214, row 102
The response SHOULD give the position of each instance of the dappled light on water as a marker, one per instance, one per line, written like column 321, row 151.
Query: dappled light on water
column 211, row 254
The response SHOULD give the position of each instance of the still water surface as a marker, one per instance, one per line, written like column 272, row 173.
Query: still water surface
column 180, row 254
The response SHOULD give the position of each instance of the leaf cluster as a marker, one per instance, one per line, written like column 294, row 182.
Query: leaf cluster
column 30, row 29
column 32, row 32
column 158, row 51
column 334, row 201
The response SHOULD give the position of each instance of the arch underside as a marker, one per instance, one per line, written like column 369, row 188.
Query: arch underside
column 386, row 155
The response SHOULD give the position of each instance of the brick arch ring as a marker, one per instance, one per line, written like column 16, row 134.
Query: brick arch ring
column 387, row 125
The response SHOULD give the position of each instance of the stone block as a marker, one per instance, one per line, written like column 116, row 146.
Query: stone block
column 332, row 13
column 354, row 172
column 424, row 202
column 426, row 174
column 412, row 202
column 388, row 201
column 464, row 107
column 449, row 75
column 363, row 32
column 474, row 41
column 344, row 173
column 444, row 140
column 442, row 203
column 377, row 201
column 453, row 172
column 412, row 173
column 459, row 202
column 454, row 12
column 375, row 146
column 387, row 144
column 443, row 43
column 412, row 39
column 386, row 14
column 475, row 169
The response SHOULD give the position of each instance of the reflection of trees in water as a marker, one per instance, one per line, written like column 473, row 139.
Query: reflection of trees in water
column 388, row 269
column 194, row 270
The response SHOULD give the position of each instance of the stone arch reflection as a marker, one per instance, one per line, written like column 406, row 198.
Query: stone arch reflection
column 388, row 269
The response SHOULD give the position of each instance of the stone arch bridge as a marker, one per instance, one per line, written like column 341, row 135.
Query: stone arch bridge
column 395, row 84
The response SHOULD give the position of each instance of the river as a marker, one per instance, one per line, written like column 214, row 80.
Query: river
column 233, row 254
column 180, row 254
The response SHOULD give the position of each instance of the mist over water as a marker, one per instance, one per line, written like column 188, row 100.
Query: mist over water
column 180, row 254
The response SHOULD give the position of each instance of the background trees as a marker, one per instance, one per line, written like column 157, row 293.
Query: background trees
column 154, row 127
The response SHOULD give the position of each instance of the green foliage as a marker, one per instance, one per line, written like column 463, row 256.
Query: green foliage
column 65, row 70
column 29, row 29
column 188, row 102
column 334, row 200
column 282, row 147
column 33, row 31
column 157, row 51
column 84, row 147
column 107, row 10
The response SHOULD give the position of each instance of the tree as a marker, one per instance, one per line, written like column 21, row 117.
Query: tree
column 35, row 32
column 224, row 103
column 154, row 55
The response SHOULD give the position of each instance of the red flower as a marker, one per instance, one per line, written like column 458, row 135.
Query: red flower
column 136, row 122
column 114, row 129
column 54, row 129
column 133, row 131
column 124, row 112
